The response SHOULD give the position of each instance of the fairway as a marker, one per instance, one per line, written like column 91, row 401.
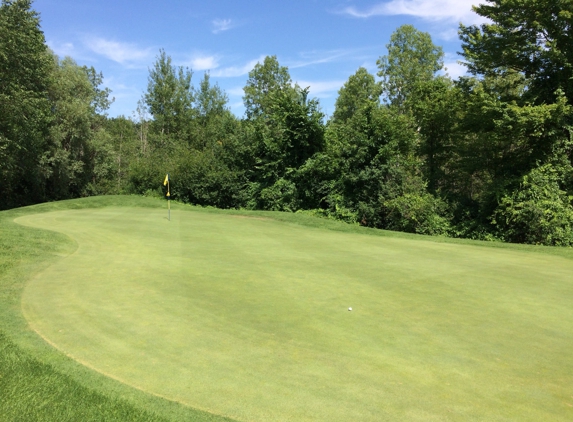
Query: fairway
column 248, row 317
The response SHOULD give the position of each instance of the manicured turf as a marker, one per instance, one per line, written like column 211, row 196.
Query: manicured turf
column 38, row 383
column 247, row 316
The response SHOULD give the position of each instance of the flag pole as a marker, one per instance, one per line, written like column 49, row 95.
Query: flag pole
column 166, row 182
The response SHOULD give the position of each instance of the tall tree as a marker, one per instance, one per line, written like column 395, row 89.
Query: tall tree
column 170, row 99
column 124, row 139
column 265, row 78
column 360, row 90
column 24, row 108
column 285, row 129
column 80, row 153
column 436, row 106
column 412, row 58
column 532, row 37
column 214, row 118
column 210, row 99
column 519, row 115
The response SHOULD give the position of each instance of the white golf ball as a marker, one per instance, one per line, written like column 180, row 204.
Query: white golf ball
column 349, row 309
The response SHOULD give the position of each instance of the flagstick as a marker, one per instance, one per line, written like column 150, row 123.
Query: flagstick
column 168, row 202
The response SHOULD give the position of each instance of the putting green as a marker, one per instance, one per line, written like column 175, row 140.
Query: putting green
column 248, row 317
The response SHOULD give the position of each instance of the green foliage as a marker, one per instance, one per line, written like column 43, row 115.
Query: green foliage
column 438, row 157
column 51, row 145
column 204, row 178
column 518, row 118
column 147, row 172
column 80, row 152
column 408, row 207
column 412, row 58
column 377, row 178
column 210, row 99
column 498, row 142
column 527, row 36
column 214, row 121
column 264, row 79
column 285, row 130
column 169, row 98
column 281, row 196
column 539, row 211
column 437, row 107
column 124, row 147
column 360, row 89
column 24, row 107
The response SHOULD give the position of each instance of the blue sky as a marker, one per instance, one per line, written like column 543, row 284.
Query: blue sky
column 322, row 42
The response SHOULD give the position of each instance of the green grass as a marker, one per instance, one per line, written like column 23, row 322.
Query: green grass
column 34, row 391
column 245, row 315
column 38, row 383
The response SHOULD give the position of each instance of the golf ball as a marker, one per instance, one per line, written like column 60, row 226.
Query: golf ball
column 349, row 309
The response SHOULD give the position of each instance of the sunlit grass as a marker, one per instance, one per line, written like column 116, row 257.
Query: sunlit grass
column 247, row 317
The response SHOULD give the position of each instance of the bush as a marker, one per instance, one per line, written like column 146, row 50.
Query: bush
column 538, row 212
column 416, row 213
column 282, row 196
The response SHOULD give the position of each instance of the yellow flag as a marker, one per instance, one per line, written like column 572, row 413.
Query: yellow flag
column 166, row 179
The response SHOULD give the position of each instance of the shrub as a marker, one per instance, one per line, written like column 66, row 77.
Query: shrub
column 538, row 212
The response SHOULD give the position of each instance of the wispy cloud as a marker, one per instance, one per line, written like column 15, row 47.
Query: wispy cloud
column 220, row 25
column 435, row 10
column 236, row 71
column 62, row 49
column 119, row 52
column 310, row 58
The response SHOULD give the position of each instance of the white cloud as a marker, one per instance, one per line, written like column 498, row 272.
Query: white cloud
column 236, row 71
column 201, row 62
column 435, row 10
column 220, row 25
column 117, row 51
column 321, row 88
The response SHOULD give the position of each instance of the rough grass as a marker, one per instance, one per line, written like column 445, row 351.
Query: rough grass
column 35, row 391
column 248, row 317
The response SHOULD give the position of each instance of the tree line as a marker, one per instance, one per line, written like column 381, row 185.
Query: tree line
column 485, row 156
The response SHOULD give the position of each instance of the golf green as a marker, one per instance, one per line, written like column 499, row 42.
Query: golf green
column 248, row 318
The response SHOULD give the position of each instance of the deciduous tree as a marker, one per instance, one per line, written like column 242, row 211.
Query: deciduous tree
column 412, row 58
column 169, row 98
column 359, row 91
column 24, row 107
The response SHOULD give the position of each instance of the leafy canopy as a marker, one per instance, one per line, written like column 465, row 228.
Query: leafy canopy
column 532, row 37
column 412, row 58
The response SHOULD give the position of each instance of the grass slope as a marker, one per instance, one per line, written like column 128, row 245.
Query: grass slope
column 247, row 317
column 35, row 391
